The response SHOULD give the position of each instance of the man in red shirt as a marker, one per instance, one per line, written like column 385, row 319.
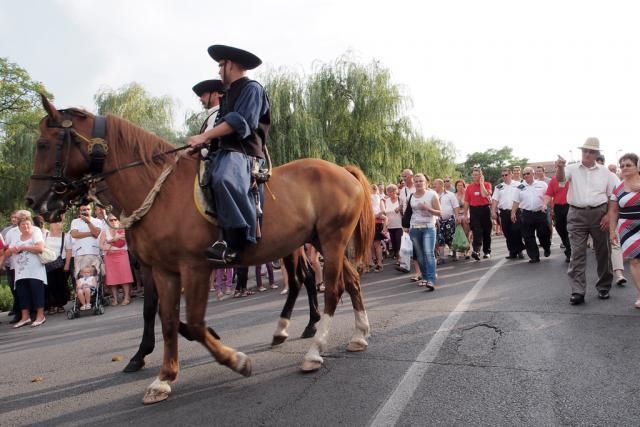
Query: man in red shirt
column 557, row 195
column 477, row 201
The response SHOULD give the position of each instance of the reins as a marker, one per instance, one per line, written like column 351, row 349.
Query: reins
column 95, row 155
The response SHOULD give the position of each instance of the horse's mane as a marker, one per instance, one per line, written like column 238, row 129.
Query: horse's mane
column 125, row 137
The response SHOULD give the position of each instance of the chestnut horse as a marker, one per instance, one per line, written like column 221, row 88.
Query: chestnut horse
column 307, row 201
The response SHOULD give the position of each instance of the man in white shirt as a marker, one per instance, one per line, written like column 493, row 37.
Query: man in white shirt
column 501, row 205
column 588, row 196
column 533, row 215
column 85, row 231
column 407, row 190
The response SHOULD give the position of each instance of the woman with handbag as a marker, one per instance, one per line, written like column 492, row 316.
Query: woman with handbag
column 116, row 261
column 419, row 219
column 30, row 274
column 57, row 291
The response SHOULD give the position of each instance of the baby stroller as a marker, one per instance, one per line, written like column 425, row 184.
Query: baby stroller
column 98, row 300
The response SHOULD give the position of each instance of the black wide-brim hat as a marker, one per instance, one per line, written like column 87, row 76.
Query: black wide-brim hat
column 206, row 86
column 246, row 59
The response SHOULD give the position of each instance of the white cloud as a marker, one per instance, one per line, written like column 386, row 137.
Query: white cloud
column 540, row 77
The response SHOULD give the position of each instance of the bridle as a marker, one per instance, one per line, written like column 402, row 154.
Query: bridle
column 95, row 155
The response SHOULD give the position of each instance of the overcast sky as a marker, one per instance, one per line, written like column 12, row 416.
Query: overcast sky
column 538, row 76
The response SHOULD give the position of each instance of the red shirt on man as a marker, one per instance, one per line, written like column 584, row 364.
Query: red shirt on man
column 559, row 194
column 474, row 197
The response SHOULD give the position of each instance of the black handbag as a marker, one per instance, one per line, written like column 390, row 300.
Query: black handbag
column 406, row 215
column 58, row 263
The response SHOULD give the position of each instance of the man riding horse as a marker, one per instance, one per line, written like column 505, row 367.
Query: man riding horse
column 236, row 147
column 209, row 92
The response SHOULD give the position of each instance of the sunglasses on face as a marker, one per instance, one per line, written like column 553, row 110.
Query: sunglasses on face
column 505, row 174
column 526, row 173
column 589, row 152
column 626, row 165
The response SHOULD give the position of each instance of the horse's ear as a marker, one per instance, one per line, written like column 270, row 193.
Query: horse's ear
column 50, row 109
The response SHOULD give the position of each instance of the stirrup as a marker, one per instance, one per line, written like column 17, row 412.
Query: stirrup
column 220, row 254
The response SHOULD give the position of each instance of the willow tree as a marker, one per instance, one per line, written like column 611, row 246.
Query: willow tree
column 20, row 113
column 134, row 103
column 350, row 113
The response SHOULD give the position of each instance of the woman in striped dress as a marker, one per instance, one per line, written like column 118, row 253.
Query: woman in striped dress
column 624, row 215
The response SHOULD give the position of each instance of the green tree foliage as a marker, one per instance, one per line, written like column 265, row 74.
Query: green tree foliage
column 350, row 113
column 20, row 114
column 491, row 162
column 134, row 103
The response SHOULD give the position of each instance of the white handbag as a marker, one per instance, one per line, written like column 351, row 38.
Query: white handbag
column 47, row 256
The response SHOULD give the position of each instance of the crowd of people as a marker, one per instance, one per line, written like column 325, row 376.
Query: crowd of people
column 40, row 260
column 587, row 203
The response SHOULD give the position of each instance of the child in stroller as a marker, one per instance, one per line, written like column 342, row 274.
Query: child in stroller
column 88, row 288
column 86, row 284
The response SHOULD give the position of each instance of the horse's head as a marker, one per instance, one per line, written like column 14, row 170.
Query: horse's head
column 63, row 158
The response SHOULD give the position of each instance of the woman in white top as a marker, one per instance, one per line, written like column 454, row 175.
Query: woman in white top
column 30, row 274
column 116, row 261
column 420, row 218
column 394, row 219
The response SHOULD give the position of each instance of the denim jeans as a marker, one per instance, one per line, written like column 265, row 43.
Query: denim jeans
column 424, row 244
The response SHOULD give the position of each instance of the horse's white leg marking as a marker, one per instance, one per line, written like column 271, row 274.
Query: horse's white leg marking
column 358, row 340
column 313, row 360
column 281, row 328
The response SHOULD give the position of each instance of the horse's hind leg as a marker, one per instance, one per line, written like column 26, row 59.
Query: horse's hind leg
column 168, row 286
column 334, row 287
column 196, row 291
column 352, row 285
column 309, row 281
column 298, row 271
column 280, row 335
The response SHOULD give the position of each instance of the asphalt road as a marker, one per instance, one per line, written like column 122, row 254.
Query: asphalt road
column 496, row 344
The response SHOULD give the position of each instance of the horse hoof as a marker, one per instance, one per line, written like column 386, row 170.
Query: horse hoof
column 309, row 332
column 134, row 366
column 277, row 340
column 156, row 392
column 357, row 346
column 243, row 367
column 310, row 365
column 154, row 396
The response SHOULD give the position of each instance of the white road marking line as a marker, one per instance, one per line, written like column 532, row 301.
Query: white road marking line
column 390, row 412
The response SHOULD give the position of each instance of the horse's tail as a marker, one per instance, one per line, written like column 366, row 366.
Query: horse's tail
column 365, row 229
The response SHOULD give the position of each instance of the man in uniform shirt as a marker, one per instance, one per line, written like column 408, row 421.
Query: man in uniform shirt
column 477, row 201
column 239, row 136
column 588, row 196
column 516, row 174
column 533, row 215
column 502, row 202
